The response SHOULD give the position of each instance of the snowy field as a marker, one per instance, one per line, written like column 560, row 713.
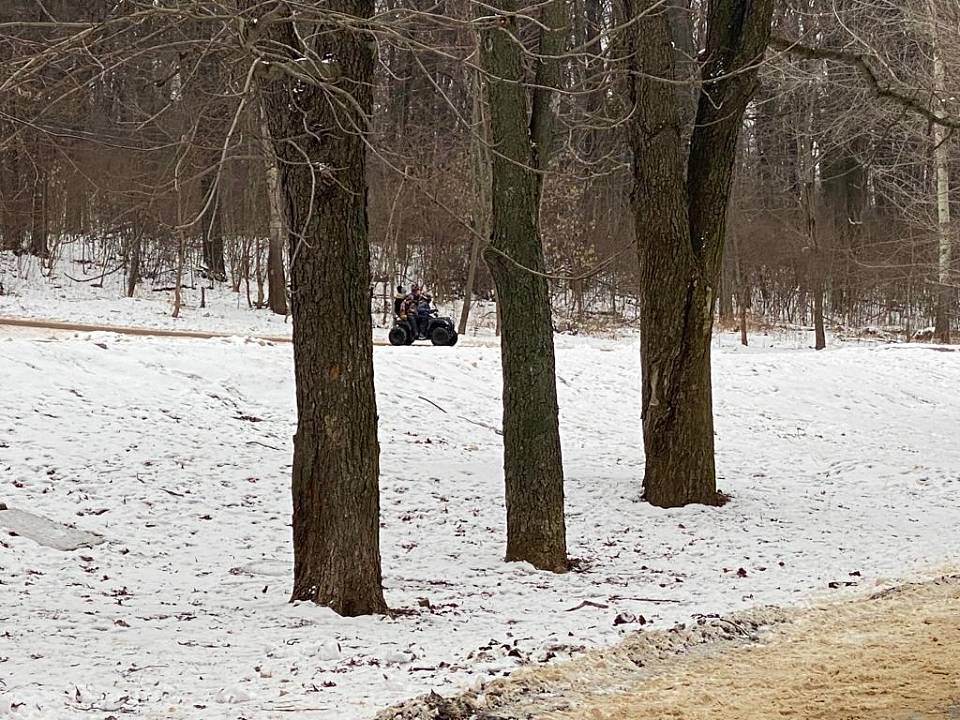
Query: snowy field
column 844, row 467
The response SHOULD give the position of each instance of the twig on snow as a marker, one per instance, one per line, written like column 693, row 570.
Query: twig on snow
column 498, row 431
column 257, row 442
column 434, row 404
column 588, row 603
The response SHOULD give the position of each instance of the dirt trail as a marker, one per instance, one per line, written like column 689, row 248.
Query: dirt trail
column 127, row 330
column 55, row 326
column 889, row 658
column 59, row 325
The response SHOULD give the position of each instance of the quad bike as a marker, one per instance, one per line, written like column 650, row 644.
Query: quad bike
column 439, row 330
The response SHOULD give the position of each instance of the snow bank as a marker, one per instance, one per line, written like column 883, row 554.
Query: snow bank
column 895, row 654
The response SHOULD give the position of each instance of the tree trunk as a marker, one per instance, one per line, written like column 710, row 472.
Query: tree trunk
column 533, row 468
column 336, row 504
column 39, row 219
column 246, row 269
column 680, row 213
column 820, row 335
column 134, row 257
column 468, row 290
column 807, row 171
column 480, row 170
column 181, row 256
column 258, row 265
column 742, row 289
column 212, row 229
column 276, row 279
column 181, row 232
column 941, row 159
column 744, row 337
column 726, row 289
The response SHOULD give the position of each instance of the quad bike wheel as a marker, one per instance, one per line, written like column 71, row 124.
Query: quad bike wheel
column 440, row 336
column 398, row 335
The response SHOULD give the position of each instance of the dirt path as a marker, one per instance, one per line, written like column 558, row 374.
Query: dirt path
column 55, row 326
column 40, row 324
column 891, row 656
column 59, row 325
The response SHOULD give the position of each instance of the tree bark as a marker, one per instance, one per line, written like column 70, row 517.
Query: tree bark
column 336, row 504
column 480, row 171
column 276, row 278
column 134, row 257
column 468, row 290
column 941, row 159
column 39, row 218
column 680, row 213
column 181, row 233
column 212, row 229
column 533, row 468
column 258, row 271
column 728, row 273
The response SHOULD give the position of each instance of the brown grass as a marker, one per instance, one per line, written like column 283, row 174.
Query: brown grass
column 887, row 658
column 891, row 656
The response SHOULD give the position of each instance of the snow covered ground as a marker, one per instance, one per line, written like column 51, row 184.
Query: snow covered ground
column 844, row 467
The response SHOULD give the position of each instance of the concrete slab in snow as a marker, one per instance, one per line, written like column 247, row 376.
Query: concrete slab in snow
column 45, row 531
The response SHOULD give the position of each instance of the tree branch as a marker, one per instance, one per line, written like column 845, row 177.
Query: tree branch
column 901, row 95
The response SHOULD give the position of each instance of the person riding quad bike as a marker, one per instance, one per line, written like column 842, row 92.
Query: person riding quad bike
column 398, row 300
column 417, row 319
column 410, row 310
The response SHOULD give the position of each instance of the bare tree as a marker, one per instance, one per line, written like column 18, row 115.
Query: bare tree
column 680, row 202
column 521, row 135
column 317, row 96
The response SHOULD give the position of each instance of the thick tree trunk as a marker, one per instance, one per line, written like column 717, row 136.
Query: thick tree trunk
column 336, row 504
column 533, row 468
column 680, row 219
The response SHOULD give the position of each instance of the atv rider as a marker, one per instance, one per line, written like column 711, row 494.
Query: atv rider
column 410, row 310
column 424, row 310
